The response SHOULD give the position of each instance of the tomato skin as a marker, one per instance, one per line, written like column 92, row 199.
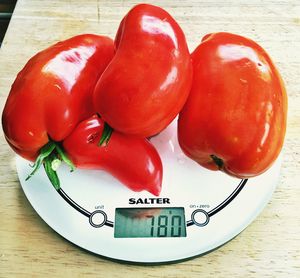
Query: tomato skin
column 149, row 78
column 237, row 107
column 133, row 161
column 53, row 92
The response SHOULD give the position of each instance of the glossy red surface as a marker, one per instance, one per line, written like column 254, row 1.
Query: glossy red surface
column 149, row 78
column 53, row 92
column 237, row 107
column 133, row 161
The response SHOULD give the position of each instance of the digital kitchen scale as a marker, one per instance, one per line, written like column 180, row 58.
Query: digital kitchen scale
column 197, row 211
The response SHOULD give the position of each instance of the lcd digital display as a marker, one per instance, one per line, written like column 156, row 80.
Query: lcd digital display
column 149, row 222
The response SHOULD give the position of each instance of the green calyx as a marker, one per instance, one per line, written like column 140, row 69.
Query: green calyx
column 51, row 156
column 106, row 134
column 51, row 173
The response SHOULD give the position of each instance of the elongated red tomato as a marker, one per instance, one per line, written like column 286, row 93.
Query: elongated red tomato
column 53, row 92
column 133, row 161
column 235, row 116
column 149, row 78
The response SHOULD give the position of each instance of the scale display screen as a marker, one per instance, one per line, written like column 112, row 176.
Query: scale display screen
column 149, row 222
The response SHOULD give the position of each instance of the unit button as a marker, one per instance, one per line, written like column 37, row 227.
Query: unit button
column 98, row 218
column 200, row 217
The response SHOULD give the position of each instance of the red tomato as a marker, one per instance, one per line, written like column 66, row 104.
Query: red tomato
column 235, row 116
column 149, row 78
column 133, row 161
column 53, row 92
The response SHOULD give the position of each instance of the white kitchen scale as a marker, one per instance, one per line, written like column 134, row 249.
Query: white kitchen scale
column 197, row 211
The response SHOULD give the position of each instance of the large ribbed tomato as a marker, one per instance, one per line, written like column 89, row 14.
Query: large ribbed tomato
column 53, row 92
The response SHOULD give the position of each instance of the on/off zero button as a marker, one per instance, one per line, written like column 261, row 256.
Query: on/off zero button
column 98, row 218
column 200, row 217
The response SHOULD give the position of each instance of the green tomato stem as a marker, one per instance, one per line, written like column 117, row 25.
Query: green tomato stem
column 45, row 152
column 106, row 134
column 64, row 157
column 51, row 156
column 51, row 173
column 55, row 164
